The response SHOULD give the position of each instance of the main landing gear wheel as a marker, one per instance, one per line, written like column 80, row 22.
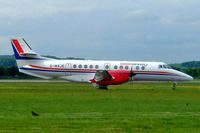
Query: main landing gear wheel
column 103, row 88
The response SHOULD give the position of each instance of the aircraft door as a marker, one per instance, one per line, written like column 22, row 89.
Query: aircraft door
column 68, row 66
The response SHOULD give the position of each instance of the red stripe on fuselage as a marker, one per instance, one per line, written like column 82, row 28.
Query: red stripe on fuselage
column 18, row 46
column 158, row 72
column 110, row 71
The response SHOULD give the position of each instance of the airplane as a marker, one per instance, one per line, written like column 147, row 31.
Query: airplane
column 98, row 72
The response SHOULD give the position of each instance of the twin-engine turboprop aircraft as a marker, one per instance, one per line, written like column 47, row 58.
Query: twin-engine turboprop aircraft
column 100, row 73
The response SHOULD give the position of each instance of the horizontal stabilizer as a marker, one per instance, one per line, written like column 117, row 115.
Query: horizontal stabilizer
column 28, row 54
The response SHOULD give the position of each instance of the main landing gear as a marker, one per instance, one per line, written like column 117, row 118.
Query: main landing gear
column 101, row 87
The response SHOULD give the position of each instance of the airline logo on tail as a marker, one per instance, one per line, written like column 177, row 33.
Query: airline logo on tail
column 23, row 51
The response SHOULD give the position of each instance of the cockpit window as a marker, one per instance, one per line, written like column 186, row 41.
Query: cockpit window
column 164, row 67
column 169, row 67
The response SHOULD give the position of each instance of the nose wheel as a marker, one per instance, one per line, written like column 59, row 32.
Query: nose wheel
column 174, row 85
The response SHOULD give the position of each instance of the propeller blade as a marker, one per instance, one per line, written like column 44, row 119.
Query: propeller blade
column 131, row 73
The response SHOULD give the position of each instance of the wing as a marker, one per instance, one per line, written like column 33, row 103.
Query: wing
column 102, row 75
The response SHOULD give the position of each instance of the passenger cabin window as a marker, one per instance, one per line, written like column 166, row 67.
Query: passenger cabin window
column 121, row 67
column 137, row 67
column 85, row 66
column 91, row 66
column 74, row 66
column 126, row 67
column 80, row 66
column 96, row 66
column 107, row 66
column 115, row 67
column 143, row 68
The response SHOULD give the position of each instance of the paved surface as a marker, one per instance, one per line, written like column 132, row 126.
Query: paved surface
column 196, row 81
column 33, row 81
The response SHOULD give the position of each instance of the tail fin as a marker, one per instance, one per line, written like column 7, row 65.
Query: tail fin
column 22, row 50
column 24, row 54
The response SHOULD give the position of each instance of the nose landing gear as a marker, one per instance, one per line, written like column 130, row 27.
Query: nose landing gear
column 174, row 86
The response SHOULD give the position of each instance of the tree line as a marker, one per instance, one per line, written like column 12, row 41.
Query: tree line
column 9, row 70
column 192, row 71
column 12, row 73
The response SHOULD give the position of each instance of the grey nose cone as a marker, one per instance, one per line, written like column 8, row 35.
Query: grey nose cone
column 189, row 78
column 183, row 76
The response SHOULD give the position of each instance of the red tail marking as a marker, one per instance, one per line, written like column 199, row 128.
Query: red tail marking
column 17, row 45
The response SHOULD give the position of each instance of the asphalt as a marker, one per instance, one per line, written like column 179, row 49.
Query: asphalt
column 33, row 81
column 36, row 81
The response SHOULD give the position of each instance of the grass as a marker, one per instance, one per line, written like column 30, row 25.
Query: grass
column 76, row 107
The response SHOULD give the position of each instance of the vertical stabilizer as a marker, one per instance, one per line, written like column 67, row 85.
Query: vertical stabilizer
column 24, row 54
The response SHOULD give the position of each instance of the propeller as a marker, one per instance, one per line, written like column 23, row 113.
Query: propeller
column 131, row 74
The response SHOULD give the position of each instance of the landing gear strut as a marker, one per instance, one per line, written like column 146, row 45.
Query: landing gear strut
column 174, row 86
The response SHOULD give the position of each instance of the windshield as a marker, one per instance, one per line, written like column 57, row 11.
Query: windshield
column 164, row 67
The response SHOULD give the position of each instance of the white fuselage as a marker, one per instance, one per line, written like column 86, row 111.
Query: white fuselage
column 85, row 70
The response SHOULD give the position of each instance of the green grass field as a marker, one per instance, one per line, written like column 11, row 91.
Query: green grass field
column 75, row 107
